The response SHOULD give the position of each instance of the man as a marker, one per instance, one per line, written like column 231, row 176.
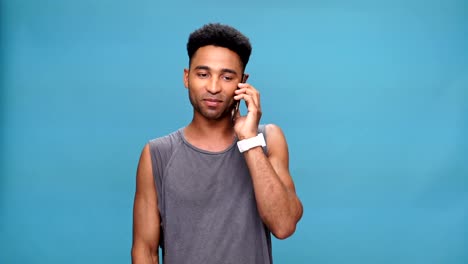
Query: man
column 212, row 192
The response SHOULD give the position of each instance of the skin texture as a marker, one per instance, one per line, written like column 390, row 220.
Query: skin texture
column 213, row 82
column 146, row 220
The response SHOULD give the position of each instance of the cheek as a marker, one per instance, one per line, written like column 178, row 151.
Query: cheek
column 233, row 90
column 192, row 93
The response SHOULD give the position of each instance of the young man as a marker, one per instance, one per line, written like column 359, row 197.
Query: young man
column 213, row 191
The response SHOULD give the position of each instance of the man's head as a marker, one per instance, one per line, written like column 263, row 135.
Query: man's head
column 221, row 36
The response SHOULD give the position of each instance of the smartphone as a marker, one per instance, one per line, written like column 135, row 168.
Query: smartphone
column 236, row 106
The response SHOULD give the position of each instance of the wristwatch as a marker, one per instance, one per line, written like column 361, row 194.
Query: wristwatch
column 249, row 143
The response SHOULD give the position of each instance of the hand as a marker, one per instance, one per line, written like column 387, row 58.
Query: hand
column 247, row 126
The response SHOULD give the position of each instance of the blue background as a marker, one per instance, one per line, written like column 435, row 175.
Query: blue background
column 372, row 96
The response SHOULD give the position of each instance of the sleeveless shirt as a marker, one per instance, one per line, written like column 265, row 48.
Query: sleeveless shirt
column 207, row 204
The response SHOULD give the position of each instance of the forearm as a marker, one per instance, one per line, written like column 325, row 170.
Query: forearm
column 279, row 207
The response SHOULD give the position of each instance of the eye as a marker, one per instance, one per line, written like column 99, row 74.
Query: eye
column 202, row 75
column 227, row 78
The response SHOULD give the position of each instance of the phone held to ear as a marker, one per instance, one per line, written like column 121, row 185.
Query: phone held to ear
column 237, row 103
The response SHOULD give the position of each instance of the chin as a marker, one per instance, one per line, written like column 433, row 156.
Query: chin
column 214, row 116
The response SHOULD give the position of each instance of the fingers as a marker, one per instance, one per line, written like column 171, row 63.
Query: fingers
column 249, row 94
column 250, row 101
column 246, row 126
column 245, row 87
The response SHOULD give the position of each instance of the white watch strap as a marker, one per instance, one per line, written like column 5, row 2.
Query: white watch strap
column 249, row 143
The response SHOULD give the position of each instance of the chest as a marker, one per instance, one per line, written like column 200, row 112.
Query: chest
column 194, row 178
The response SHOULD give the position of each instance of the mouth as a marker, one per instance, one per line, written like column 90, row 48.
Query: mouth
column 212, row 102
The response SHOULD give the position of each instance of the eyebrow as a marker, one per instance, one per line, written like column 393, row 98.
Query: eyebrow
column 224, row 70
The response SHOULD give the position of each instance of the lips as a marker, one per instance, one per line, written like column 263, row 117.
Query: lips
column 212, row 102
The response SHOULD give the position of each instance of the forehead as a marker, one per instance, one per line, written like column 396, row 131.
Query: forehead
column 216, row 58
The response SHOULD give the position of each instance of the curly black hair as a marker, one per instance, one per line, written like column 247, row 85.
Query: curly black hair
column 220, row 35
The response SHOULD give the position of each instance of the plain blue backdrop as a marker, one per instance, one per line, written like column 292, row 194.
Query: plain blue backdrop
column 372, row 96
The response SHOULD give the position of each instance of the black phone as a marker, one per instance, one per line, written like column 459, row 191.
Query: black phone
column 236, row 106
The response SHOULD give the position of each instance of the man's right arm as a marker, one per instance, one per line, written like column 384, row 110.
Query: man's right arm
column 146, row 220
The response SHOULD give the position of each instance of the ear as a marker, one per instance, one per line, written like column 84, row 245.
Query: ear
column 246, row 77
column 186, row 75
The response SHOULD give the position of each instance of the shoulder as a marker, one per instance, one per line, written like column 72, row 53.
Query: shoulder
column 171, row 136
column 272, row 131
column 165, row 141
column 275, row 139
column 162, row 148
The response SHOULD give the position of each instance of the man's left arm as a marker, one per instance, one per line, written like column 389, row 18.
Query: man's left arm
column 277, row 202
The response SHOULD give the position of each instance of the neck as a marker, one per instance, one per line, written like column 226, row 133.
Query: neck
column 211, row 135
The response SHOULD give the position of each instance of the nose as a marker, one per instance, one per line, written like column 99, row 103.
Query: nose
column 213, row 86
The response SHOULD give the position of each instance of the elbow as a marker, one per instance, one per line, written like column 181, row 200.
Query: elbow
column 284, row 231
column 140, row 253
column 287, row 228
column 136, row 254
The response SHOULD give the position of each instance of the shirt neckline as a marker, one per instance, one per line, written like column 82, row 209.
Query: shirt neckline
column 182, row 135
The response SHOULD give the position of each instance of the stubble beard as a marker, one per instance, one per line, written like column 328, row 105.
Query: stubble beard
column 208, row 113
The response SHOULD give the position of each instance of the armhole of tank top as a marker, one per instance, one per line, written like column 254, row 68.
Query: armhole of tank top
column 152, row 147
column 262, row 129
column 157, row 177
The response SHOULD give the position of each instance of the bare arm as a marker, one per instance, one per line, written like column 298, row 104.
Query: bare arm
column 277, row 202
column 146, row 221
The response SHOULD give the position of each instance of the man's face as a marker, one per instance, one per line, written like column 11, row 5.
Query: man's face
column 212, row 79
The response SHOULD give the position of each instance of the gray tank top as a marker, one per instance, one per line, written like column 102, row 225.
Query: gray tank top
column 207, row 205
